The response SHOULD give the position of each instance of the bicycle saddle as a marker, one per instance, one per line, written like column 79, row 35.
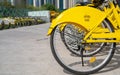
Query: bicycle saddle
column 97, row 2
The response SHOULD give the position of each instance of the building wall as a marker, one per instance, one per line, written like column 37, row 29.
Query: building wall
column 20, row 3
column 60, row 4
column 29, row 2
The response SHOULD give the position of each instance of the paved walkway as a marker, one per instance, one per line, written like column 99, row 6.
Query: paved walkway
column 26, row 51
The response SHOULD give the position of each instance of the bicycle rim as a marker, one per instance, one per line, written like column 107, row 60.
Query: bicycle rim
column 74, row 64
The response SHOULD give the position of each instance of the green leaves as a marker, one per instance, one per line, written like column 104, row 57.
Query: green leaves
column 50, row 7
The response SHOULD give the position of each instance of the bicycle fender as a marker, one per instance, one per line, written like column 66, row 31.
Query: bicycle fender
column 83, row 16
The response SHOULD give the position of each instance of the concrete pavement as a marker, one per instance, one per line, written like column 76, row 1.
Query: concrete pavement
column 26, row 51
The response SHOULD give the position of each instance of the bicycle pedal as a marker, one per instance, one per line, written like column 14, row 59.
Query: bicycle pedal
column 92, row 60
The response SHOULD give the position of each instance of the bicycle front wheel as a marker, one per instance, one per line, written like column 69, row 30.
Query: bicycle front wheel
column 80, row 64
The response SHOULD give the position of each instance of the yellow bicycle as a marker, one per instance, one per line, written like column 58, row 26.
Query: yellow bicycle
column 94, row 27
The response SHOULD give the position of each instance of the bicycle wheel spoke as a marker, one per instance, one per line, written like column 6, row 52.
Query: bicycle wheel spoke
column 87, row 58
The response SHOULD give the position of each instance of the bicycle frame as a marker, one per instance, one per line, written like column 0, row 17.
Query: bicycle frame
column 90, row 22
column 113, row 16
column 85, row 31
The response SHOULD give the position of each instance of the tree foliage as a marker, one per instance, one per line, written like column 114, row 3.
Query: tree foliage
column 5, row 3
column 48, row 7
column 30, row 7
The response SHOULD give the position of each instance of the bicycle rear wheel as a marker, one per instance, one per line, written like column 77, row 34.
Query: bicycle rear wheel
column 71, row 36
column 77, row 64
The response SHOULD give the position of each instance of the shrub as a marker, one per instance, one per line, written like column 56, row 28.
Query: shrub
column 49, row 7
column 30, row 7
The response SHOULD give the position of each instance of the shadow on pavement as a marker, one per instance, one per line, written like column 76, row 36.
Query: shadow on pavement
column 114, row 64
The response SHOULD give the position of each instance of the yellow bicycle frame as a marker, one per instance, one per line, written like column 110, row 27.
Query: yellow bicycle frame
column 89, row 19
column 114, row 17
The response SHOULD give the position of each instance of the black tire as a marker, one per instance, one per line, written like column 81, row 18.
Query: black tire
column 16, row 25
column 6, row 26
column 23, row 24
column 68, row 67
column 12, row 25
column 9, row 25
column 30, row 23
column 20, row 24
column 1, row 27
